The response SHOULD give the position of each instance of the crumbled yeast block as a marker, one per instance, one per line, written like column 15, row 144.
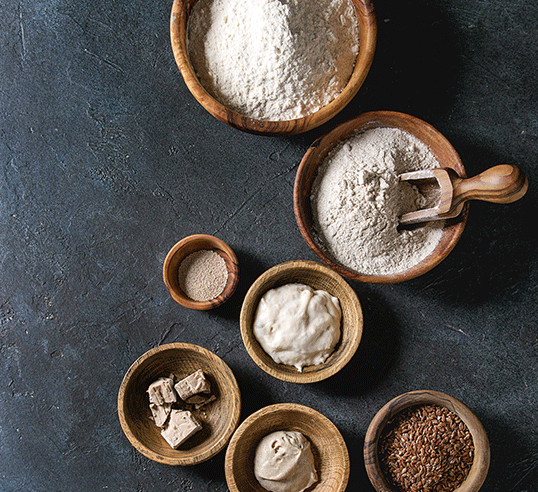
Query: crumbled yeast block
column 181, row 425
column 160, row 413
column 200, row 400
column 192, row 385
column 162, row 391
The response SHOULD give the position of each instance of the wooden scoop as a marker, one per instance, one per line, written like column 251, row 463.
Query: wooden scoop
column 446, row 192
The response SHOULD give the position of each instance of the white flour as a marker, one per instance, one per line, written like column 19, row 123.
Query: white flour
column 357, row 198
column 273, row 60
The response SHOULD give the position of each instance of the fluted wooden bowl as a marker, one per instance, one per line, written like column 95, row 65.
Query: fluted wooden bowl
column 219, row 418
column 480, row 466
column 331, row 458
column 184, row 248
column 318, row 151
column 181, row 10
column 317, row 276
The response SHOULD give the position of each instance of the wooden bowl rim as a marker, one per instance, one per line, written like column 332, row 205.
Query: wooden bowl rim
column 205, row 241
column 368, row 39
column 310, row 374
column 327, row 142
column 181, row 460
column 284, row 408
column 481, row 461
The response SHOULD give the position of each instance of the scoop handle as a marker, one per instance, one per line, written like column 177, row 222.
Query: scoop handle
column 499, row 184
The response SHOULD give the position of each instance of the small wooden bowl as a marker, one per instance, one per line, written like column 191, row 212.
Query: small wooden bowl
column 331, row 457
column 480, row 466
column 184, row 248
column 318, row 151
column 181, row 10
column 219, row 418
column 317, row 276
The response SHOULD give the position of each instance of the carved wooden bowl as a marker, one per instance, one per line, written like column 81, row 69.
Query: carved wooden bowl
column 480, row 466
column 181, row 10
column 331, row 458
column 184, row 248
column 219, row 418
column 317, row 276
column 318, row 151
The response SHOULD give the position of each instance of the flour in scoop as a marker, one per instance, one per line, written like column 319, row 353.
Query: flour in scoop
column 357, row 200
column 273, row 60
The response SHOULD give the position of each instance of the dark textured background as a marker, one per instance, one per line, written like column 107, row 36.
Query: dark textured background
column 107, row 160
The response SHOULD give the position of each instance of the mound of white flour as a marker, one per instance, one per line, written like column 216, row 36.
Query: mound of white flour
column 357, row 200
column 273, row 60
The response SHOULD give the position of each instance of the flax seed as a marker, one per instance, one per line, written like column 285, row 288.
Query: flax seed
column 426, row 448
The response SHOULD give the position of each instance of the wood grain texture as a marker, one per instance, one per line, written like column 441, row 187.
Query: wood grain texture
column 189, row 245
column 367, row 42
column 480, row 466
column 317, row 276
column 219, row 418
column 317, row 152
column 330, row 452
column 499, row 184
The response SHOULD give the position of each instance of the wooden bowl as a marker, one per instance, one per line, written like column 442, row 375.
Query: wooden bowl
column 219, row 418
column 331, row 456
column 184, row 248
column 316, row 154
column 181, row 10
column 480, row 466
column 316, row 276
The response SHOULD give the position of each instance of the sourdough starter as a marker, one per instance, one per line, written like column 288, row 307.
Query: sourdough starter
column 284, row 462
column 297, row 325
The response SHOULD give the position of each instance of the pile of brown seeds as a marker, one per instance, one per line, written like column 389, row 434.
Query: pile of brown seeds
column 426, row 448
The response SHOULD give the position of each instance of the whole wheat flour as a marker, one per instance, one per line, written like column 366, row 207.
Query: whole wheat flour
column 273, row 60
column 357, row 199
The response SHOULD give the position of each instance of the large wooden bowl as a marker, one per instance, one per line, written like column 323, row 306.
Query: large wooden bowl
column 331, row 458
column 181, row 10
column 480, row 466
column 219, row 418
column 317, row 276
column 184, row 248
column 318, row 151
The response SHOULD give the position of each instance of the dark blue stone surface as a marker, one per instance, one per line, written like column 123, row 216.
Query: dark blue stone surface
column 106, row 160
